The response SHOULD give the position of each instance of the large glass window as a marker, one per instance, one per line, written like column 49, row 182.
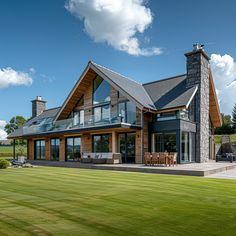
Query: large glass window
column 101, row 143
column 101, row 91
column 39, row 149
column 185, row 147
column 164, row 142
column 127, row 112
column 73, row 149
column 101, row 113
column 78, row 118
column 55, row 146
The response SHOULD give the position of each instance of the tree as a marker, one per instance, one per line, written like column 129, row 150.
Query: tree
column 234, row 117
column 226, row 127
column 14, row 123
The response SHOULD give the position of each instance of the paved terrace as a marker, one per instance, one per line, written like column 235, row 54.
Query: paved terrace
column 193, row 169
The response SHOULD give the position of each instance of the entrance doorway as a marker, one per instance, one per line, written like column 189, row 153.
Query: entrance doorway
column 127, row 147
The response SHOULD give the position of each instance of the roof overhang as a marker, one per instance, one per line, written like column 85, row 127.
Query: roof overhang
column 90, row 72
column 214, row 108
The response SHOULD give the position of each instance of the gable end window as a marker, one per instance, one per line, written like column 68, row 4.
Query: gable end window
column 101, row 91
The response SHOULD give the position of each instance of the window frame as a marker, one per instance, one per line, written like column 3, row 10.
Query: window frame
column 93, row 92
column 53, row 149
column 40, row 150
column 102, row 144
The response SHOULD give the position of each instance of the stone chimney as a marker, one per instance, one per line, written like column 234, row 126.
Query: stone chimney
column 198, row 74
column 38, row 106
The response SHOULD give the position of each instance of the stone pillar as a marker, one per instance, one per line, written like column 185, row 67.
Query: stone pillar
column 198, row 74
column 62, row 149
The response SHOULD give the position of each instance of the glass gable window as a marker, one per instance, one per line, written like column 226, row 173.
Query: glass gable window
column 39, row 149
column 101, row 91
column 101, row 143
column 55, row 145
column 127, row 112
column 73, row 149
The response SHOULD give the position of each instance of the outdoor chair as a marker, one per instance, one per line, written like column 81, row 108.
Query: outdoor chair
column 172, row 158
column 155, row 158
column 147, row 158
column 162, row 158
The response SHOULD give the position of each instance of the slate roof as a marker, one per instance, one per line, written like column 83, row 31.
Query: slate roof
column 50, row 113
column 131, row 87
column 170, row 93
column 157, row 95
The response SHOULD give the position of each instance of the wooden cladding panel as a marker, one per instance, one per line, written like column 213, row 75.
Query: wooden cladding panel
column 47, row 149
column 30, row 149
column 62, row 149
column 86, row 143
column 138, row 147
column 114, row 100
column 146, row 120
column 80, row 90
column 214, row 109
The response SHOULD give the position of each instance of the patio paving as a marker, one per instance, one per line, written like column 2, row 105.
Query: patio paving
column 229, row 174
column 192, row 169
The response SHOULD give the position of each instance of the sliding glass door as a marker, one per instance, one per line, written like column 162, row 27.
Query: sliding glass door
column 164, row 142
column 55, row 146
column 127, row 147
column 39, row 150
column 73, row 149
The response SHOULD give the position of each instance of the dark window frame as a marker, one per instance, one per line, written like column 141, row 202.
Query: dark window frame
column 51, row 149
column 101, row 135
column 66, row 152
column 35, row 149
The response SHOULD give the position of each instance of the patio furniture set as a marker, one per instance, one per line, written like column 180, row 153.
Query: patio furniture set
column 160, row 158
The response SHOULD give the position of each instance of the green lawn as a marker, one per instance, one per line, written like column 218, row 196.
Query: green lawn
column 7, row 151
column 218, row 138
column 63, row 201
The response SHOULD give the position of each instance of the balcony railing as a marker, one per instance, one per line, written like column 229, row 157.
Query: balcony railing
column 106, row 119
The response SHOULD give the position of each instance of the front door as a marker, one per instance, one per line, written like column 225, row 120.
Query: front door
column 127, row 147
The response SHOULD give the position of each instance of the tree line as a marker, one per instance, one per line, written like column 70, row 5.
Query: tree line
column 229, row 123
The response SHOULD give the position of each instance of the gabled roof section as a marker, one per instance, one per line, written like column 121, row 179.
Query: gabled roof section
column 170, row 93
column 131, row 89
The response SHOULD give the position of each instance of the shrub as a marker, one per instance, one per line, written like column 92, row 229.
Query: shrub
column 4, row 164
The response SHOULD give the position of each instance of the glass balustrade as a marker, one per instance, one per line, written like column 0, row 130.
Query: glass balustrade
column 88, row 121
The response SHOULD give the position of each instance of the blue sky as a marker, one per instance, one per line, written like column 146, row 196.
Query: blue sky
column 51, row 45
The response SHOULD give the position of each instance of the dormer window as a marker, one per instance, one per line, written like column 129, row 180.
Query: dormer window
column 101, row 91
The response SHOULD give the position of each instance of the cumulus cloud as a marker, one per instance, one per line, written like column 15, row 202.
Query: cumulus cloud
column 3, row 134
column 224, row 73
column 115, row 22
column 11, row 77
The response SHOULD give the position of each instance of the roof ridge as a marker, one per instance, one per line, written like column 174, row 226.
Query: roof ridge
column 172, row 77
column 52, row 108
column 116, row 73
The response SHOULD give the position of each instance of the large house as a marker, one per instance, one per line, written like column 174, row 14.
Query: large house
column 107, row 112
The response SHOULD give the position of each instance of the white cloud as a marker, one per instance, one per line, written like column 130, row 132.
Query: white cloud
column 224, row 73
column 3, row 134
column 115, row 22
column 11, row 77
